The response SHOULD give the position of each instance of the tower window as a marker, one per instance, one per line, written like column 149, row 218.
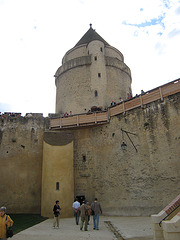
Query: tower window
column 57, row 185
column 99, row 75
column 95, row 58
column 84, row 158
column 101, row 49
column 95, row 93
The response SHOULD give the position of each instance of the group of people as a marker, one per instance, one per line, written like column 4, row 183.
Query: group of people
column 114, row 103
column 83, row 211
column 5, row 223
column 9, row 114
column 66, row 114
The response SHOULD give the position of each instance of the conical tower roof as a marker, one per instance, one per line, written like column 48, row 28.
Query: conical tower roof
column 89, row 36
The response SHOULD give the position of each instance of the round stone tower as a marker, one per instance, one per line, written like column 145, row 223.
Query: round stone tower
column 93, row 73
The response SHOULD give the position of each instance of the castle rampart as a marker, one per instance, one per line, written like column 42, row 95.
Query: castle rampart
column 125, row 181
column 21, row 140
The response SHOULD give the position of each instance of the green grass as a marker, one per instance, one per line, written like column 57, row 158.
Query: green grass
column 23, row 221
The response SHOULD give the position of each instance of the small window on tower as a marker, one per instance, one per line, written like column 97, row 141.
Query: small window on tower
column 95, row 58
column 57, row 185
column 84, row 158
column 101, row 49
column 95, row 93
column 99, row 75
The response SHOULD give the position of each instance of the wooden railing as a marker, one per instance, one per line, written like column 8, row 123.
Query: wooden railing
column 104, row 117
column 79, row 120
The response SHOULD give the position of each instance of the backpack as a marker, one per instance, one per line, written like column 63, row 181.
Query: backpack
column 9, row 231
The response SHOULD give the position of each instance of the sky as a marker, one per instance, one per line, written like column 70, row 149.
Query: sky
column 36, row 34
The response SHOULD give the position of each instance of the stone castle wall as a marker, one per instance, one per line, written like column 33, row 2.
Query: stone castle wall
column 79, row 51
column 125, row 182
column 21, row 163
column 130, row 182
column 75, row 82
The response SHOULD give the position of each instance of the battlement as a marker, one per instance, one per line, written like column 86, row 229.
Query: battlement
column 15, row 114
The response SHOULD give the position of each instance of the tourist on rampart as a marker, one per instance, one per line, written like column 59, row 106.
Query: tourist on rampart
column 5, row 222
column 129, row 95
column 56, row 210
column 89, row 111
column 76, row 207
column 120, row 100
column 84, row 216
column 113, row 103
column 96, row 211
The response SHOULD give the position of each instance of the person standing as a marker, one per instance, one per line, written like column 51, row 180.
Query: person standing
column 5, row 222
column 56, row 210
column 76, row 207
column 96, row 208
column 84, row 216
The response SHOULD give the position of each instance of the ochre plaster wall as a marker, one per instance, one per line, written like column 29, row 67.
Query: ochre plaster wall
column 57, row 167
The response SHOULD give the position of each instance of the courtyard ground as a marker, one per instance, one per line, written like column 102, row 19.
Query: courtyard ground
column 110, row 228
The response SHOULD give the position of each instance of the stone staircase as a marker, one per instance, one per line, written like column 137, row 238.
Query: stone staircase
column 166, row 224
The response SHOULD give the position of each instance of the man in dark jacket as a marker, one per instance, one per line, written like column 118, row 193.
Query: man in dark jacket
column 56, row 211
column 96, row 209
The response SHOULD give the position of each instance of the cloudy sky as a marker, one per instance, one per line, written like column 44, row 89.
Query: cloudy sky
column 35, row 35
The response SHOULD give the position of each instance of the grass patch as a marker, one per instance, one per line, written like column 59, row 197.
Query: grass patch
column 23, row 221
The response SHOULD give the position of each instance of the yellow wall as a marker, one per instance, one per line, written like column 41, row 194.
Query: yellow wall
column 57, row 167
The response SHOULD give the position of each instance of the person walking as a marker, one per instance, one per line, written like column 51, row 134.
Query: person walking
column 89, row 211
column 56, row 210
column 5, row 222
column 97, row 210
column 76, row 207
column 84, row 216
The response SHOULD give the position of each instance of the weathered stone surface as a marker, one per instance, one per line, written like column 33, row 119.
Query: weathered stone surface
column 125, row 182
column 21, row 163
column 91, row 75
column 130, row 182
